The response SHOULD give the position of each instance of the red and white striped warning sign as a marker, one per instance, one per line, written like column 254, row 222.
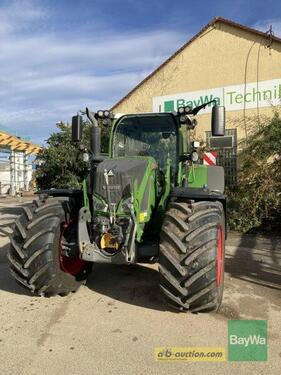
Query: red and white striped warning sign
column 210, row 158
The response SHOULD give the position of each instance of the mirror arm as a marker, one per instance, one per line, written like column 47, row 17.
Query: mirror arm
column 197, row 109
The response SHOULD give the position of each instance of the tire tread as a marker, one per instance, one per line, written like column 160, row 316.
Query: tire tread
column 32, row 246
column 188, row 252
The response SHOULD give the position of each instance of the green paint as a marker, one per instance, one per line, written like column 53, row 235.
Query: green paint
column 167, row 189
column 169, row 106
column 180, row 103
column 114, row 122
column 148, row 182
column 197, row 175
column 247, row 340
column 85, row 193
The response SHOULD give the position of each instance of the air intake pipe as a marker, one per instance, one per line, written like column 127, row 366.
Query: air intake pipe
column 95, row 134
column 96, row 141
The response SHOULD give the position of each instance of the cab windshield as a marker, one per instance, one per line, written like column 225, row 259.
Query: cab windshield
column 147, row 135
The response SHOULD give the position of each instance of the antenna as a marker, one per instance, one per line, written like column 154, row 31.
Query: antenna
column 270, row 34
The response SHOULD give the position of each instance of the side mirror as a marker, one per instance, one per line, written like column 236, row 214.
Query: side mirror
column 76, row 128
column 218, row 120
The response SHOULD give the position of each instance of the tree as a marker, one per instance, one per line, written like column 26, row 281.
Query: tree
column 61, row 165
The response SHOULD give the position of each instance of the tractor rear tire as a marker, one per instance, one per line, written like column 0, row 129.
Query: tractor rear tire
column 191, row 260
column 36, row 257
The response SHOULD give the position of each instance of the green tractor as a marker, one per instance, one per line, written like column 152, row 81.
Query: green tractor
column 149, row 200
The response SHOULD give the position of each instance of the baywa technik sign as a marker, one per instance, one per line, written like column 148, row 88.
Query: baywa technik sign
column 252, row 95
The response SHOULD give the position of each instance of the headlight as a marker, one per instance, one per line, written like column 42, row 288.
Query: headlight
column 187, row 109
column 181, row 110
column 195, row 144
column 194, row 156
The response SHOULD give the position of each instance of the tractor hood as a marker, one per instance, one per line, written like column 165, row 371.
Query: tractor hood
column 120, row 178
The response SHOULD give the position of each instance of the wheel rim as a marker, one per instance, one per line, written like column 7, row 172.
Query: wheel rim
column 71, row 265
column 220, row 256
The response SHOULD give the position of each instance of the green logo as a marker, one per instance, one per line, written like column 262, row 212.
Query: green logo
column 169, row 106
column 247, row 340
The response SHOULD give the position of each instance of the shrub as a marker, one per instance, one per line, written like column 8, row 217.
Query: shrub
column 256, row 200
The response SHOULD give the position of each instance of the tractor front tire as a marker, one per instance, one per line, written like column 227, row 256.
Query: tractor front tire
column 36, row 257
column 191, row 260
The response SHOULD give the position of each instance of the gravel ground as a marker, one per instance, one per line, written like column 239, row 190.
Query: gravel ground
column 113, row 324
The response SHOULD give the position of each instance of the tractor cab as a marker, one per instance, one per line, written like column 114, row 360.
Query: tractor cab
column 147, row 135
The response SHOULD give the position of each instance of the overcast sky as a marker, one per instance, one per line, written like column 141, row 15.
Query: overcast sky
column 57, row 56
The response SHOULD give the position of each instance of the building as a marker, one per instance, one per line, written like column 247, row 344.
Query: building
column 238, row 66
column 15, row 165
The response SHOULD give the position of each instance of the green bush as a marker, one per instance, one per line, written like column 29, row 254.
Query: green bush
column 256, row 200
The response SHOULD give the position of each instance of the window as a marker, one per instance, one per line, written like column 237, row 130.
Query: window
column 147, row 135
